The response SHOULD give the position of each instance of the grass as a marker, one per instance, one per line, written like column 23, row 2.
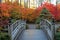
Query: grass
column 4, row 36
column 57, row 36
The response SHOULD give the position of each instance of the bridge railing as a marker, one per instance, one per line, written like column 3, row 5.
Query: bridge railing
column 47, row 27
column 16, row 28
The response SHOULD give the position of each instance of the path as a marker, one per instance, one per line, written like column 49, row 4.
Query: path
column 32, row 26
column 33, row 34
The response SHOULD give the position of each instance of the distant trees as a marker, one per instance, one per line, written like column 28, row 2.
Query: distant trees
column 16, row 11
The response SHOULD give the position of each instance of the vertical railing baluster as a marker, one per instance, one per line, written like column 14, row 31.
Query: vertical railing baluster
column 47, row 27
column 16, row 28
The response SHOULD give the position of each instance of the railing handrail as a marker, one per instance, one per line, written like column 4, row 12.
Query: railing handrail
column 16, row 27
column 47, row 21
column 47, row 30
column 15, row 22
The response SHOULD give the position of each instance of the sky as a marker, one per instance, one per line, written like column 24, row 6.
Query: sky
column 53, row 2
column 35, row 3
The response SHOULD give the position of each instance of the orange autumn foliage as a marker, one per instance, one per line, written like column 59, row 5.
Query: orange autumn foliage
column 27, row 13
column 58, row 11
column 53, row 9
column 5, row 9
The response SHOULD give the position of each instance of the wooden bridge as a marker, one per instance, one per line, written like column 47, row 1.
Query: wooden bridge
column 18, row 31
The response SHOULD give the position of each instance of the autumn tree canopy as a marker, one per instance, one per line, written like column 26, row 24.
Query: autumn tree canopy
column 8, row 9
column 53, row 9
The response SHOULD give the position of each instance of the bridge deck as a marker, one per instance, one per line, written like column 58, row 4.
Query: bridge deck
column 33, row 34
